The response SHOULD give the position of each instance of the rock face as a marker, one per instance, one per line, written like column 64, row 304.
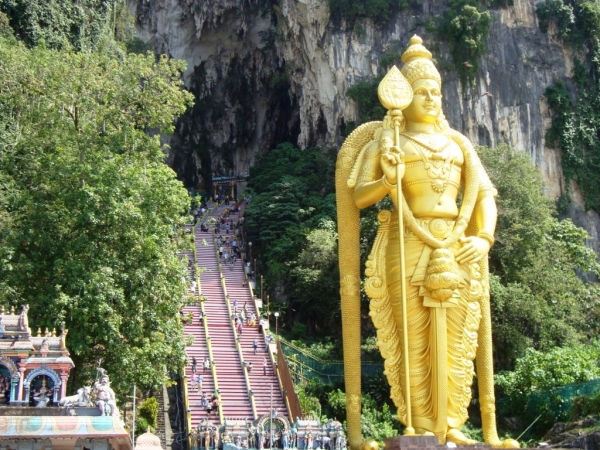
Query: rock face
column 582, row 434
column 269, row 73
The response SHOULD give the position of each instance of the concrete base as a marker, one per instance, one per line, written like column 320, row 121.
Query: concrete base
column 424, row 443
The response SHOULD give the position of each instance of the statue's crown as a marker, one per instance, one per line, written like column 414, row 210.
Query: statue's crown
column 417, row 62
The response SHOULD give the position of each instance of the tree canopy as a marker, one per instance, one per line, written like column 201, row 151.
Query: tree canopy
column 89, row 208
column 291, row 221
column 538, row 299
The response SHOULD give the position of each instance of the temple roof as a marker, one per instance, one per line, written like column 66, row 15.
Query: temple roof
column 41, row 347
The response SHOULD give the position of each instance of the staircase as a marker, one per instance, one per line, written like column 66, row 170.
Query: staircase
column 198, row 349
column 265, row 387
column 232, row 384
column 243, row 394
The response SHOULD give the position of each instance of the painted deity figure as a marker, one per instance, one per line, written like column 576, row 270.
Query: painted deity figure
column 4, row 389
column 105, row 397
column 206, row 435
column 285, row 439
column 43, row 395
column 309, row 439
column 436, row 293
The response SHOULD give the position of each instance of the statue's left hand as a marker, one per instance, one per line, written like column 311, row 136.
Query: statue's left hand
column 473, row 249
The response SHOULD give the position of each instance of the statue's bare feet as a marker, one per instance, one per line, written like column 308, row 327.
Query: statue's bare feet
column 507, row 443
column 455, row 436
column 510, row 443
column 370, row 444
column 423, row 432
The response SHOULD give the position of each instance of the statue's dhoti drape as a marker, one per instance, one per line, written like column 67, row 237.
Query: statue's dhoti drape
column 442, row 334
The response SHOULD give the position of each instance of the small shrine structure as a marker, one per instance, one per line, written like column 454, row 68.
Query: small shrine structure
column 35, row 412
column 34, row 367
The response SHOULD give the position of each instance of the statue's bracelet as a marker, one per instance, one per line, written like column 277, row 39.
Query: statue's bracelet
column 387, row 184
column 487, row 236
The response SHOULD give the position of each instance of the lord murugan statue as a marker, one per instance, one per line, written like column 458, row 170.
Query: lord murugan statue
column 427, row 274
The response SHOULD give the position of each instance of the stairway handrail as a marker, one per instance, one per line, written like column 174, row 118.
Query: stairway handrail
column 186, row 399
column 235, row 334
column 186, row 404
column 213, row 365
column 208, row 212
column 208, row 340
column 288, row 392
column 310, row 369
column 309, row 355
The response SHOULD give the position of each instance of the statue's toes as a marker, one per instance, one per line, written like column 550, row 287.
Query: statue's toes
column 510, row 443
column 455, row 436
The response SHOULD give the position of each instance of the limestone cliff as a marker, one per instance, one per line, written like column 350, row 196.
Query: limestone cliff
column 266, row 73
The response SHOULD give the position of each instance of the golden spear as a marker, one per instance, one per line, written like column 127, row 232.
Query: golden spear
column 395, row 94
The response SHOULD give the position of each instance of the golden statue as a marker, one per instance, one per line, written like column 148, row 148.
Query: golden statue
column 427, row 274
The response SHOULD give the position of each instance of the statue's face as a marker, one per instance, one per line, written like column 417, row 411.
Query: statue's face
column 426, row 104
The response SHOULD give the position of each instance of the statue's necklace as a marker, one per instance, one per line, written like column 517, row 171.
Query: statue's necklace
column 435, row 143
column 438, row 168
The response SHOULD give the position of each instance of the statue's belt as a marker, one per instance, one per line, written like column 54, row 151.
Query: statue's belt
column 439, row 228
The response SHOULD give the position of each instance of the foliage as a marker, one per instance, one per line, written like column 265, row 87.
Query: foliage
column 336, row 403
column 149, row 411
column 320, row 392
column 142, row 426
column 315, row 274
column 378, row 389
column 322, row 349
column 391, row 56
column 364, row 94
column 558, row 12
column 81, row 25
column 523, row 210
column 290, row 220
column 537, row 298
column 538, row 370
column 309, row 405
column 60, row 24
column 575, row 115
column 472, row 433
column 91, row 245
column 584, row 406
column 530, row 390
column 377, row 420
column 465, row 26
column 378, row 10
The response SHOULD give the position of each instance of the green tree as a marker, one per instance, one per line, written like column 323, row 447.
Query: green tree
column 60, row 24
column 315, row 278
column 537, row 370
column 83, row 25
column 92, row 242
column 291, row 217
column 538, row 300
column 465, row 26
column 575, row 116
column 378, row 421
column 148, row 415
column 364, row 93
column 537, row 389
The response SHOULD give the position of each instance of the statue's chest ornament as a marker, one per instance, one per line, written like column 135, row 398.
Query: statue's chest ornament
column 436, row 159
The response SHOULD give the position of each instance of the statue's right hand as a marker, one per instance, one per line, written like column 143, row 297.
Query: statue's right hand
column 392, row 164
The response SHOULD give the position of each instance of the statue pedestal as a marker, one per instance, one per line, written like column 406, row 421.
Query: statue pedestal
column 424, row 443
